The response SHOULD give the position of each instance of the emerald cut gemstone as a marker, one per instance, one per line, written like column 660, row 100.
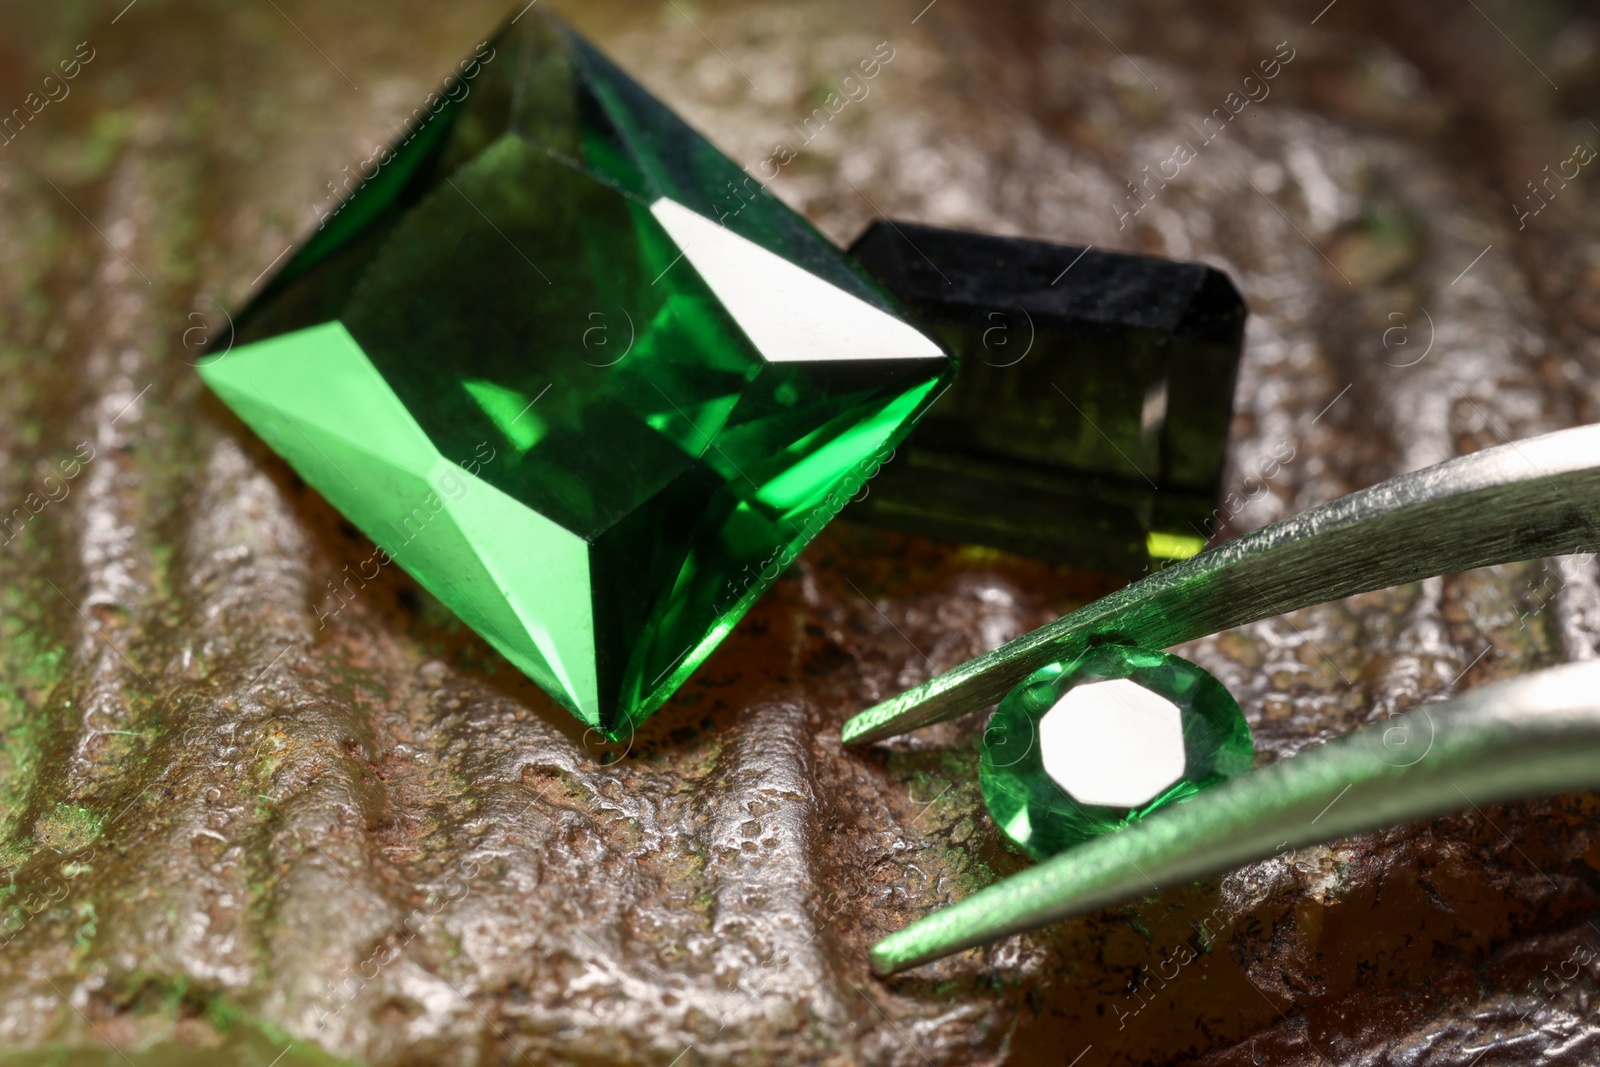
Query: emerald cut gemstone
column 1084, row 748
column 1089, row 421
column 575, row 373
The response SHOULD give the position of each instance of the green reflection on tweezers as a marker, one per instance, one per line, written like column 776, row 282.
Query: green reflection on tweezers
column 1531, row 735
column 1533, row 498
column 1524, row 500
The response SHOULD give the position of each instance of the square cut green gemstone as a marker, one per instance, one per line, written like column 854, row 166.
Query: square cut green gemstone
column 576, row 375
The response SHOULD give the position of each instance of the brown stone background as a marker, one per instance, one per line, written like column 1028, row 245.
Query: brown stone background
column 215, row 819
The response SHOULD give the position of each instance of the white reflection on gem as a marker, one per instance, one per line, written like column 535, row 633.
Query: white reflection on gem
column 790, row 314
column 1113, row 743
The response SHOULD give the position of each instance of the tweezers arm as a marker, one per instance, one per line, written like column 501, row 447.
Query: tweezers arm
column 1529, row 736
column 1532, row 498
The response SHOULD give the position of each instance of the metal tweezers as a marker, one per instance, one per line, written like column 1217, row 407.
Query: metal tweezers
column 1529, row 736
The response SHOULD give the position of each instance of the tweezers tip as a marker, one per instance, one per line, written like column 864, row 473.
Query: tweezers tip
column 874, row 724
column 884, row 960
column 857, row 730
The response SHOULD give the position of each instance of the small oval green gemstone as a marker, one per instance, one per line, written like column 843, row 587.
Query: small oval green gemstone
column 1084, row 748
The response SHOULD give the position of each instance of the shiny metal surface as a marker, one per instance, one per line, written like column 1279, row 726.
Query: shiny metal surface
column 286, row 798
column 1520, row 738
column 1518, row 501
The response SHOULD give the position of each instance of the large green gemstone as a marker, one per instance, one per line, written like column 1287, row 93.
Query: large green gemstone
column 575, row 373
column 1084, row 748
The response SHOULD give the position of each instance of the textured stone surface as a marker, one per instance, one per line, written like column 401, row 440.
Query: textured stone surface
column 215, row 811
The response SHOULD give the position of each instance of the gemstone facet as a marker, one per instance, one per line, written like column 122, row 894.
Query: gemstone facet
column 1088, row 421
column 574, row 373
column 1084, row 748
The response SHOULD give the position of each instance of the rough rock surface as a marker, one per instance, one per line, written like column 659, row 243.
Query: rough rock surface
column 224, row 824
